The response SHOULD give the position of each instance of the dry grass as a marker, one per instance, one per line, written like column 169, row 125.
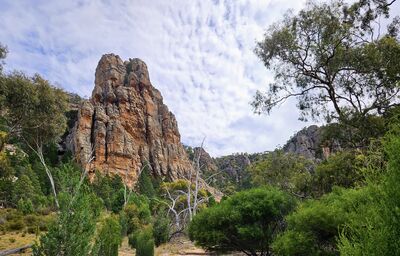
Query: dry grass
column 13, row 240
column 179, row 246
column 125, row 249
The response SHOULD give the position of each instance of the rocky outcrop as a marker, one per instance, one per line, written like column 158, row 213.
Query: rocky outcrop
column 309, row 143
column 234, row 166
column 306, row 142
column 206, row 162
column 125, row 125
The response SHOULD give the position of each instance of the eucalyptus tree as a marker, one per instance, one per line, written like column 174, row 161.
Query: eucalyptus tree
column 334, row 58
column 35, row 113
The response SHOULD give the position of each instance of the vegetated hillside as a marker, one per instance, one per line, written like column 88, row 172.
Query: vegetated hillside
column 231, row 173
column 227, row 173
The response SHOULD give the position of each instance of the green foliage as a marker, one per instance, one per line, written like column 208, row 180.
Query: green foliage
column 73, row 231
column 354, row 131
column 161, row 230
column 145, row 184
column 375, row 228
column 34, row 107
column 145, row 243
column 247, row 221
column 3, row 54
column 23, row 188
column 108, row 238
column 34, row 115
column 316, row 223
column 327, row 55
column 109, row 189
column 294, row 242
column 123, row 222
column 137, row 214
column 340, row 169
column 289, row 172
column 6, row 178
column 25, row 206
column 118, row 200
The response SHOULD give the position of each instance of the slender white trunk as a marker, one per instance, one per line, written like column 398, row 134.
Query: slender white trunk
column 39, row 153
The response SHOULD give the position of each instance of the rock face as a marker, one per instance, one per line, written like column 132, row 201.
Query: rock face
column 206, row 161
column 308, row 143
column 234, row 166
column 126, row 125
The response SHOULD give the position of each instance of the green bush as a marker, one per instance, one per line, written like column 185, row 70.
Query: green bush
column 132, row 238
column 246, row 221
column 123, row 222
column 145, row 184
column 145, row 243
column 137, row 213
column 73, row 231
column 287, row 171
column 25, row 206
column 316, row 223
column 340, row 169
column 294, row 243
column 33, row 229
column 108, row 239
column 374, row 229
column 161, row 230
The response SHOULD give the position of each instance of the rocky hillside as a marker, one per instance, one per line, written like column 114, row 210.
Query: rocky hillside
column 227, row 173
column 310, row 143
column 125, row 125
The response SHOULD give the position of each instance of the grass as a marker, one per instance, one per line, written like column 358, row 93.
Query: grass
column 11, row 240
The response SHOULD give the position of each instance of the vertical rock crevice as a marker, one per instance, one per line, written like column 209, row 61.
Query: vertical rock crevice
column 92, row 137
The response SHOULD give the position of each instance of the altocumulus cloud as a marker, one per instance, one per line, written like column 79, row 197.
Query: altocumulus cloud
column 199, row 54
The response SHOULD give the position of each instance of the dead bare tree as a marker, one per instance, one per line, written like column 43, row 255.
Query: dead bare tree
column 188, row 191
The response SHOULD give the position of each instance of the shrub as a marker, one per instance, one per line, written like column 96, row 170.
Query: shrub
column 289, row 172
column 316, row 223
column 294, row 243
column 108, row 238
column 145, row 243
column 137, row 214
column 341, row 169
column 25, row 206
column 123, row 222
column 132, row 239
column 32, row 229
column 145, row 184
column 15, row 224
column 374, row 229
column 247, row 221
column 73, row 231
column 161, row 230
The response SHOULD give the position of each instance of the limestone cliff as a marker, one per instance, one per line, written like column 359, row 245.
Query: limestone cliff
column 125, row 125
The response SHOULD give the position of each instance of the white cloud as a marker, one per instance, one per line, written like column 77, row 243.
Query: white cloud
column 199, row 53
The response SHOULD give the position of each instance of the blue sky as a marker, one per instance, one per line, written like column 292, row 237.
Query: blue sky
column 199, row 54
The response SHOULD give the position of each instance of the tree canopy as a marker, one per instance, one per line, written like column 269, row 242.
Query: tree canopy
column 3, row 54
column 333, row 58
